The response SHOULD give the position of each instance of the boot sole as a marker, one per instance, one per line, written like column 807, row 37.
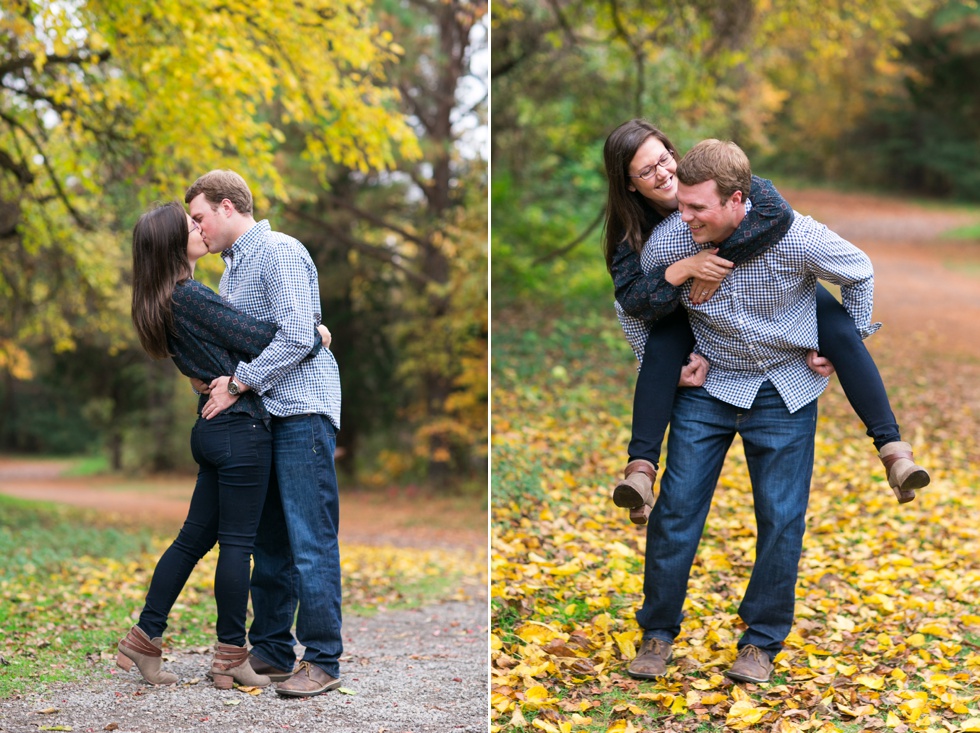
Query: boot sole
column 916, row 480
column 627, row 497
column 282, row 677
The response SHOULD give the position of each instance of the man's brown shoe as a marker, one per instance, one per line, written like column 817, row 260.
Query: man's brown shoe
column 273, row 673
column 308, row 681
column 751, row 665
column 651, row 661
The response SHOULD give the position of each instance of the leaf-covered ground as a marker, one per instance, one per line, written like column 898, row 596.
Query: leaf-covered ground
column 887, row 632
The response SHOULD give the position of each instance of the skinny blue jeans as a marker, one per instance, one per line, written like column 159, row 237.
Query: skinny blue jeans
column 297, row 556
column 779, row 453
column 234, row 456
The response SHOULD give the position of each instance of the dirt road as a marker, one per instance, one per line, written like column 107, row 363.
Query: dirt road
column 926, row 286
column 394, row 517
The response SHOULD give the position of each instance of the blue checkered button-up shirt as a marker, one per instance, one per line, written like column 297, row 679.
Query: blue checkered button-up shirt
column 761, row 322
column 270, row 276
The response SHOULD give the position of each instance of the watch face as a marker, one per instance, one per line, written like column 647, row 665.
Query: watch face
column 232, row 387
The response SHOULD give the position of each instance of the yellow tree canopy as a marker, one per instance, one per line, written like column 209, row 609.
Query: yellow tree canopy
column 109, row 104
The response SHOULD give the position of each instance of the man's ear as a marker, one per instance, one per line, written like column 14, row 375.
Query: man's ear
column 227, row 207
column 736, row 198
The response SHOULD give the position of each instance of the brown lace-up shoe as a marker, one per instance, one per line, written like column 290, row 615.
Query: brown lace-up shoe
column 308, row 681
column 751, row 665
column 651, row 661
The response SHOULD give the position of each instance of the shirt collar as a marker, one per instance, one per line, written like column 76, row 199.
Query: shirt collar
column 250, row 239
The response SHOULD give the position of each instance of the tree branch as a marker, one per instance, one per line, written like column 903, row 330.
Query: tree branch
column 378, row 221
column 24, row 62
column 20, row 170
column 79, row 219
column 379, row 253
column 574, row 243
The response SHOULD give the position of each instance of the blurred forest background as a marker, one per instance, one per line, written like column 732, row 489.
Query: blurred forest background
column 876, row 94
column 361, row 127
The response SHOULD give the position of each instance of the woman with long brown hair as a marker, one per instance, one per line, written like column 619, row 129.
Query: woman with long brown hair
column 177, row 317
column 640, row 164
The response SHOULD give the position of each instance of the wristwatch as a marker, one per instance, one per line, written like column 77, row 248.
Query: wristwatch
column 233, row 388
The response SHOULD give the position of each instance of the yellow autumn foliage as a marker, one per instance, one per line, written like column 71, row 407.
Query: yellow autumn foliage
column 888, row 601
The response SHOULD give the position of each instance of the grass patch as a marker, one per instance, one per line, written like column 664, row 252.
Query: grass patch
column 970, row 269
column 88, row 466
column 970, row 231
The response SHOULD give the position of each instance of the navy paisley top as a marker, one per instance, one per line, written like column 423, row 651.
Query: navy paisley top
column 210, row 338
column 650, row 297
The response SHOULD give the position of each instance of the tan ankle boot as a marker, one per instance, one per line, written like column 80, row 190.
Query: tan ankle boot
column 231, row 664
column 904, row 476
column 145, row 652
column 635, row 491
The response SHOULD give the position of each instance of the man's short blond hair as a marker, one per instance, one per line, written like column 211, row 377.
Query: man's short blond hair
column 724, row 162
column 218, row 185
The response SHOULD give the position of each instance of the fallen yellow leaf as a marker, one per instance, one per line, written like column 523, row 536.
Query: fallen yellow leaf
column 870, row 681
column 916, row 640
column 744, row 712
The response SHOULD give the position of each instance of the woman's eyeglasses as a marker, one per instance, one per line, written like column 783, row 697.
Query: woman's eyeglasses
column 651, row 170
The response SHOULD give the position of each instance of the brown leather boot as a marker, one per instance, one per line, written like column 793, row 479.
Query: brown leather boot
column 635, row 491
column 904, row 476
column 231, row 665
column 137, row 647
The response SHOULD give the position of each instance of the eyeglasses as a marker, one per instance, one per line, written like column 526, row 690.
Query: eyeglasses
column 651, row 170
column 195, row 227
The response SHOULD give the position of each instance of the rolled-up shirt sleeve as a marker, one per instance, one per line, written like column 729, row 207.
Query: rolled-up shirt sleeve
column 832, row 258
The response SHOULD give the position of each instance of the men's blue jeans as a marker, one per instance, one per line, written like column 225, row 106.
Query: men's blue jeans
column 234, row 453
column 297, row 557
column 779, row 453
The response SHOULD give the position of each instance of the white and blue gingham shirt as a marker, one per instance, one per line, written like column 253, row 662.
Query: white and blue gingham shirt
column 270, row 276
column 761, row 322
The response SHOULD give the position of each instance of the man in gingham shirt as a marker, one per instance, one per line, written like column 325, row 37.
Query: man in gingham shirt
column 270, row 276
column 755, row 332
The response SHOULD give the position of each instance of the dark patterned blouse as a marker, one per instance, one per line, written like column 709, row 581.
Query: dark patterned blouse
column 210, row 338
column 651, row 297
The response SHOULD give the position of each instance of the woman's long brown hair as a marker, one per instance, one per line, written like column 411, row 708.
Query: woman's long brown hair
column 159, row 263
column 627, row 212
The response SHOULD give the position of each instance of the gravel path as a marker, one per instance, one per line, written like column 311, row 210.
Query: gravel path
column 418, row 671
